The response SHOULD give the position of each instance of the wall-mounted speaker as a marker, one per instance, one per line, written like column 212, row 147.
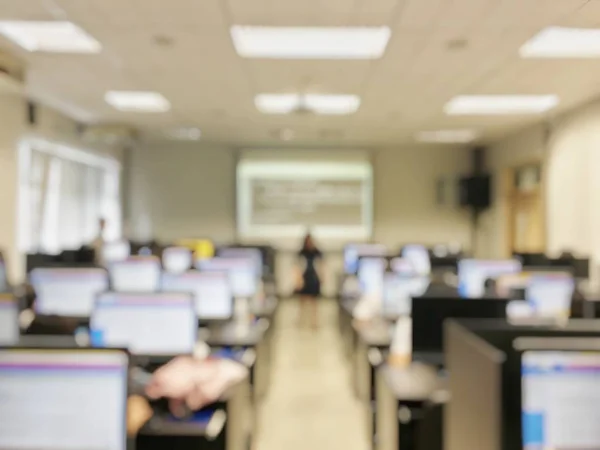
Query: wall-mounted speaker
column 32, row 114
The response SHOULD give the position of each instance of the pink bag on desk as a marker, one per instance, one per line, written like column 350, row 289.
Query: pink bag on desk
column 193, row 382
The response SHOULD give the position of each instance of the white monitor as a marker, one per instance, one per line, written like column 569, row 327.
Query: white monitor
column 9, row 320
column 116, row 251
column 177, row 259
column 241, row 271
column 153, row 324
column 418, row 255
column 370, row 274
column 560, row 400
column 402, row 266
column 63, row 399
column 353, row 252
column 399, row 290
column 550, row 295
column 135, row 274
column 253, row 254
column 473, row 273
column 67, row 292
column 211, row 290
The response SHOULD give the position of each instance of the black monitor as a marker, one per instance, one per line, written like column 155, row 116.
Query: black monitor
column 429, row 314
column 484, row 360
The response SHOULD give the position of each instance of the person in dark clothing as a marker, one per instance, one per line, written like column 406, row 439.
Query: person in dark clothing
column 310, row 280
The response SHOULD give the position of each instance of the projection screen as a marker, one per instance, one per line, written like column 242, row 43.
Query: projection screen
column 286, row 198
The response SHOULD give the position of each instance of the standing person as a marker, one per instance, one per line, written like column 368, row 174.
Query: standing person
column 310, row 283
column 98, row 243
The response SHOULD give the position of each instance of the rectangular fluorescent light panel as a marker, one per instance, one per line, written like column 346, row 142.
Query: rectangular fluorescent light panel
column 500, row 104
column 447, row 136
column 310, row 42
column 277, row 103
column 559, row 42
column 316, row 103
column 50, row 37
column 137, row 101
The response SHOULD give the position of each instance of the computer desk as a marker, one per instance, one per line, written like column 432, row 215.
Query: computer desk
column 234, row 336
column 372, row 343
column 401, row 396
column 229, row 428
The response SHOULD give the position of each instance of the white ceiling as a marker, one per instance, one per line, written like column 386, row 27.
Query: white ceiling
column 211, row 87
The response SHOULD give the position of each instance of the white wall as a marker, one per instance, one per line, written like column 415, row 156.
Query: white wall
column 405, row 196
column 182, row 190
column 12, row 126
column 187, row 190
column 570, row 154
column 522, row 148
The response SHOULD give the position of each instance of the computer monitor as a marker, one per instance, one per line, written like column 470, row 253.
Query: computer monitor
column 370, row 274
column 399, row 290
column 353, row 252
column 152, row 324
column 116, row 251
column 63, row 399
column 67, row 292
column 254, row 254
column 177, row 259
column 418, row 255
column 550, row 295
column 212, row 292
column 402, row 266
column 241, row 271
column 9, row 320
column 560, row 399
column 473, row 274
column 135, row 274
column 430, row 313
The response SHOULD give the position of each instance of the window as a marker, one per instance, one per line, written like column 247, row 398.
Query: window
column 63, row 192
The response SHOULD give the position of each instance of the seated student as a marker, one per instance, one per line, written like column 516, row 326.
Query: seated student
column 489, row 287
column 439, row 288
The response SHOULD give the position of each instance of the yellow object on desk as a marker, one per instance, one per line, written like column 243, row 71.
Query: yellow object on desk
column 202, row 248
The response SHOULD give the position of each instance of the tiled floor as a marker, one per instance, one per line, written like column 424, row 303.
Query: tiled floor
column 310, row 403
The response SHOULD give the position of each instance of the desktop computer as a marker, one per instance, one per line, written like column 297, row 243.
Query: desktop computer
column 473, row 274
column 135, row 274
column 63, row 398
column 429, row 315
column 511, row 383
column 67, row 292
column 160, row 325
column 212, row 292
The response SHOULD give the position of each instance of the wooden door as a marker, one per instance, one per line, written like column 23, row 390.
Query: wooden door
column 528, row 222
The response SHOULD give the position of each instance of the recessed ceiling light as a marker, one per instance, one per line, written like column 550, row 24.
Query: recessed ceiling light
column 500, row 104
column 331, row 104
column 186, row 134
column 558, row 42
column 277, row 103
column 54, row 37
column 317, row 103
column 137, row 101
column 447, row 136
column 310, row 42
